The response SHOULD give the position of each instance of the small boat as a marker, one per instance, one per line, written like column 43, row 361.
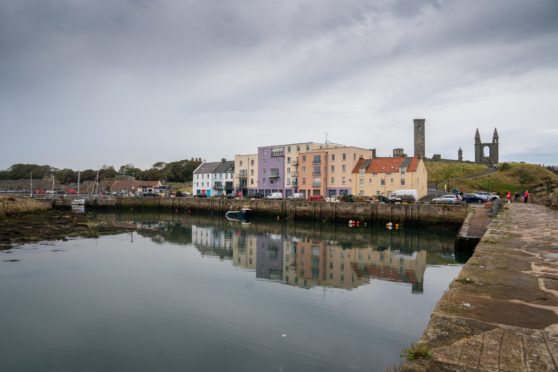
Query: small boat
column 242, row 215
column 78, row 202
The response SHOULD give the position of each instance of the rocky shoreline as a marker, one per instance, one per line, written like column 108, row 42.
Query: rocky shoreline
column 42, row 225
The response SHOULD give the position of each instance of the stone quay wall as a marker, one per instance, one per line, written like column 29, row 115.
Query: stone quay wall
column 428, row 214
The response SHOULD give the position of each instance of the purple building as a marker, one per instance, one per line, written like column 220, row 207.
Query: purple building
column 271, row 169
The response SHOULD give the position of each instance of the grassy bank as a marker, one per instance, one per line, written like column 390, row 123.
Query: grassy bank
column 12, row 205
column 514, row 177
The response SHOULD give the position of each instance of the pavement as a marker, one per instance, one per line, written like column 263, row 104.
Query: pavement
column 501, row 313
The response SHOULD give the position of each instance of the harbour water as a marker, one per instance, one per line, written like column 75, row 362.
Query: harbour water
column 195, row 293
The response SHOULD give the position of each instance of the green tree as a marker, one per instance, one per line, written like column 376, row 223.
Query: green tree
column 66, row 176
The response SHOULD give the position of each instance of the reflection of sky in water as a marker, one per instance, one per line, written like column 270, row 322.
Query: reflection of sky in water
column 161, row 299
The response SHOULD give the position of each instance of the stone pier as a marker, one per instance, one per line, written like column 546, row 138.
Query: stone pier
column 501, row 313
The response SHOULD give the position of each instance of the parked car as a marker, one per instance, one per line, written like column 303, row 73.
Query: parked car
column 275, row 195
column 447, row 199
column 472, row 198
column 332, row 199
column 296, row 195
column 403, row 196
column 315, row 198
column 256, row 196
column 487, row 196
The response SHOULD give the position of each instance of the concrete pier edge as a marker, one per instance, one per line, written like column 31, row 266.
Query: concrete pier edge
column 501, row 312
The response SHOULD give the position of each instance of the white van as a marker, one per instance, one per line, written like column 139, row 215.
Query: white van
column 275, row 195
column 408, row 196
column 296, row 195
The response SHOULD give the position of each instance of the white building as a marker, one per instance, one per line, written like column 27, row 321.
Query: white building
column 213, row 178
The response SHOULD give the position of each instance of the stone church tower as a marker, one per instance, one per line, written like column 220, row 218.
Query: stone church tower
column 419, row 138
column 487, row 153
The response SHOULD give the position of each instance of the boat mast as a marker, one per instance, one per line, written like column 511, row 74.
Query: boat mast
column 96, row 183
column 78, row 182
column 31, row 180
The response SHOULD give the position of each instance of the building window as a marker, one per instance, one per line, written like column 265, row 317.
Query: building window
column 332, row 168
column 402, row 181
column 252, row 162
column 344, row 156
column 317, row 170
column 303, row 169
column 332, row 180
column 263, row 181
column 289, row 160
column 241, row 163
column 343, row 168
column 370, row 181
column 361, row 182
column 382, row 182
column 354, row 156
column 307, row 147
column 277, row 151
column 289, row 170
column 391, row 180
column 297, row 147
column 304, row 181
column 251, row 181
column 288, row 181
column 402, row 171
column 303, row 157
column 288, row 148
column 251, row 172
column 374, row 173
column 343, row 180
column 317, row 159
column 332, row 157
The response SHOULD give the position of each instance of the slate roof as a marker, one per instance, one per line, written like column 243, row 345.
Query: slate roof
column 208, row 167
column 216, row 167
column 225, row 167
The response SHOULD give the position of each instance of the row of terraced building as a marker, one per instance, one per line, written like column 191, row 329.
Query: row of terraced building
column 311, row 168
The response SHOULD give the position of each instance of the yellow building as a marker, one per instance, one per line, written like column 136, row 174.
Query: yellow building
column 245, row 173
column 328, row 171
column 382, row 176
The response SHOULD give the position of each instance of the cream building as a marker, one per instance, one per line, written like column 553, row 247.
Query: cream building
column 245, row 173
column 382, row 176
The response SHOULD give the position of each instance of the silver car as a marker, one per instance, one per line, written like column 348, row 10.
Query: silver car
column 447, row 199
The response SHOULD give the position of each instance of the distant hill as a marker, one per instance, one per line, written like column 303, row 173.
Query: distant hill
column 514, row 177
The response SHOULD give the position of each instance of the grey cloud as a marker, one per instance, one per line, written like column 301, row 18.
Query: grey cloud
column 140, row 63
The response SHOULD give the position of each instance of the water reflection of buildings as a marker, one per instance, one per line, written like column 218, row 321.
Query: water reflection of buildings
column 310, row 262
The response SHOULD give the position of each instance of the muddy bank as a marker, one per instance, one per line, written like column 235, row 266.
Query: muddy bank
column 21, row 228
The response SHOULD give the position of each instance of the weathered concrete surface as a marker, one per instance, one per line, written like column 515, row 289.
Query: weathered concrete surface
column 473, row 228
column 501, row 314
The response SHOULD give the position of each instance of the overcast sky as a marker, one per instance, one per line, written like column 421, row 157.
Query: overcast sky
column 87, row 83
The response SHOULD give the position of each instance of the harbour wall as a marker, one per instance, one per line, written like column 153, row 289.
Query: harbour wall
column 427, row 214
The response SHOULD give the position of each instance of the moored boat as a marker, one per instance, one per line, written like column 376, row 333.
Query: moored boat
column 78, row 201
column 242, row 215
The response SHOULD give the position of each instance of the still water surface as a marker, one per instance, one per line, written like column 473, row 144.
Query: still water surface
column 204, row 294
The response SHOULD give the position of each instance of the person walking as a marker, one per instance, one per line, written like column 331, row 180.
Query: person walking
column 508, row 196
column 526, row 196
